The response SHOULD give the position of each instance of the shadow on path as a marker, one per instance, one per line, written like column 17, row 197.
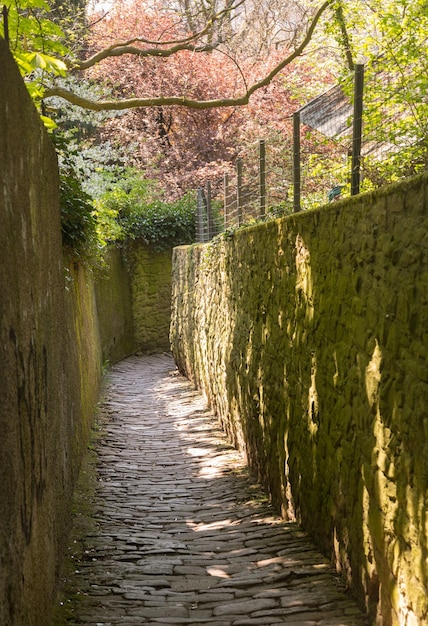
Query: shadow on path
column 171, row 528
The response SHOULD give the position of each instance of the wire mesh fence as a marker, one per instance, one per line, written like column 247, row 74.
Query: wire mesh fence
column 334, row 152
column 244, row 195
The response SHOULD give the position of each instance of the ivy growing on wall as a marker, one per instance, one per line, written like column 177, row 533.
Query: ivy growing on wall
column 77, row 218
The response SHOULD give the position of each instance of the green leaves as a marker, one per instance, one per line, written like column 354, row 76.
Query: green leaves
column 41, row 61
column 36, row 43
column 391, row 38
column 135, row 209
column 78, row 222
column 48, row 122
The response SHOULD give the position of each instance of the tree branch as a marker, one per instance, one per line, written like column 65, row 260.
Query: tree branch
column 297, row 52
column 133, row 103
column 345, row 41
column 129, row 103
column 119, row 49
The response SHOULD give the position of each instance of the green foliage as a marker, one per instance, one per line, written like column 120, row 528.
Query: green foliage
column 71, row 15
column 161, row 224
column 133, row 208
column 78, row 217
column 80, row 174
column 391, row 37
column 78, row 222
column 136, row 209
column 34, row 39
column 37, row 44
column 99, row 164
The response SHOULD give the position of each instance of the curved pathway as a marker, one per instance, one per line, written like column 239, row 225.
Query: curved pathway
column 180, row 533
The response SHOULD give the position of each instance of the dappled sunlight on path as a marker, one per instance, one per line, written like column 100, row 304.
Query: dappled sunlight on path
column 180, row 533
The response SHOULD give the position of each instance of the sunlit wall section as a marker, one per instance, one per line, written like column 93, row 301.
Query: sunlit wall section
column 309, row 337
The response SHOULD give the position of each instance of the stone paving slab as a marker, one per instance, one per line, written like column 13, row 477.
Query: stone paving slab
column 175, row 531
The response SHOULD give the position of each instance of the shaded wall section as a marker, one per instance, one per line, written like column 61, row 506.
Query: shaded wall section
column 114, row 305
column 150, row 281
column 57, row 324
column 49, row 362
column 309, row 337
column 133, row 296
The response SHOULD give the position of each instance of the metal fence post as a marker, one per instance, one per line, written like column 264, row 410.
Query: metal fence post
column 262, row 177
column 239, row 189
column 226, row 199
column 210, row 218
column 296, row 162
column 200, row 235
column 357, row 130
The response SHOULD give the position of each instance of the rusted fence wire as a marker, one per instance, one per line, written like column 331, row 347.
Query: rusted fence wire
column 242, row 196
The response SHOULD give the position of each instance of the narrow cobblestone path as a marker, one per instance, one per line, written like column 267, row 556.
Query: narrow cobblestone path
column 180, row 533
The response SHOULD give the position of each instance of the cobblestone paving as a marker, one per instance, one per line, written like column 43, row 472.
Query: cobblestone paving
column 180, row 532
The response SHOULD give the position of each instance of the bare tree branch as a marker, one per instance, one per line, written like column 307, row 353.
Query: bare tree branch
column 129, row 103
column 117, row 50
column 132, row 103
column 296, row 53
column 176, row 45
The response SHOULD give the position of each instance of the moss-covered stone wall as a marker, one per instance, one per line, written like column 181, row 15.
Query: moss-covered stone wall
column 150, row 282
column 49, row 366
column 133, row 295
column 85, row 349
column 57, row 323
column 114, row 306
column 309, row 336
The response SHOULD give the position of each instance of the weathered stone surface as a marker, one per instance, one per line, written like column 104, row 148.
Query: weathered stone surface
column 250, row 606
column 308, row 335
column 150, row 281
column 133, row 295
column 114, row 308
column 50, row 363
column 205, row 582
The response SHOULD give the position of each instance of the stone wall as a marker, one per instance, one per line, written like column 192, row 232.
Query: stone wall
column 133, row 296
column 150, row 281
column 49, row 364
column 309, row 336
column 114, row 305
column 58, row 323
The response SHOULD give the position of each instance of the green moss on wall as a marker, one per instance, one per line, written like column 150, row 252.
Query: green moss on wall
column 56, row 325
column 113, row 297
column 86, row 345
column 308, row 335
column 150, row 281
column 49, row 365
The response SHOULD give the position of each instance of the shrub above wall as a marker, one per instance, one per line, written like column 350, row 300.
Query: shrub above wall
column 309, row 337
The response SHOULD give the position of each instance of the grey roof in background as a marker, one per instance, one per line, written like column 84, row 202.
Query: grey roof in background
column 330, row 113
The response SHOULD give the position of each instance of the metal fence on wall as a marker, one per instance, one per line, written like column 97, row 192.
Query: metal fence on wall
column 241, row 196
column 248, row 194
column 259, row 188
